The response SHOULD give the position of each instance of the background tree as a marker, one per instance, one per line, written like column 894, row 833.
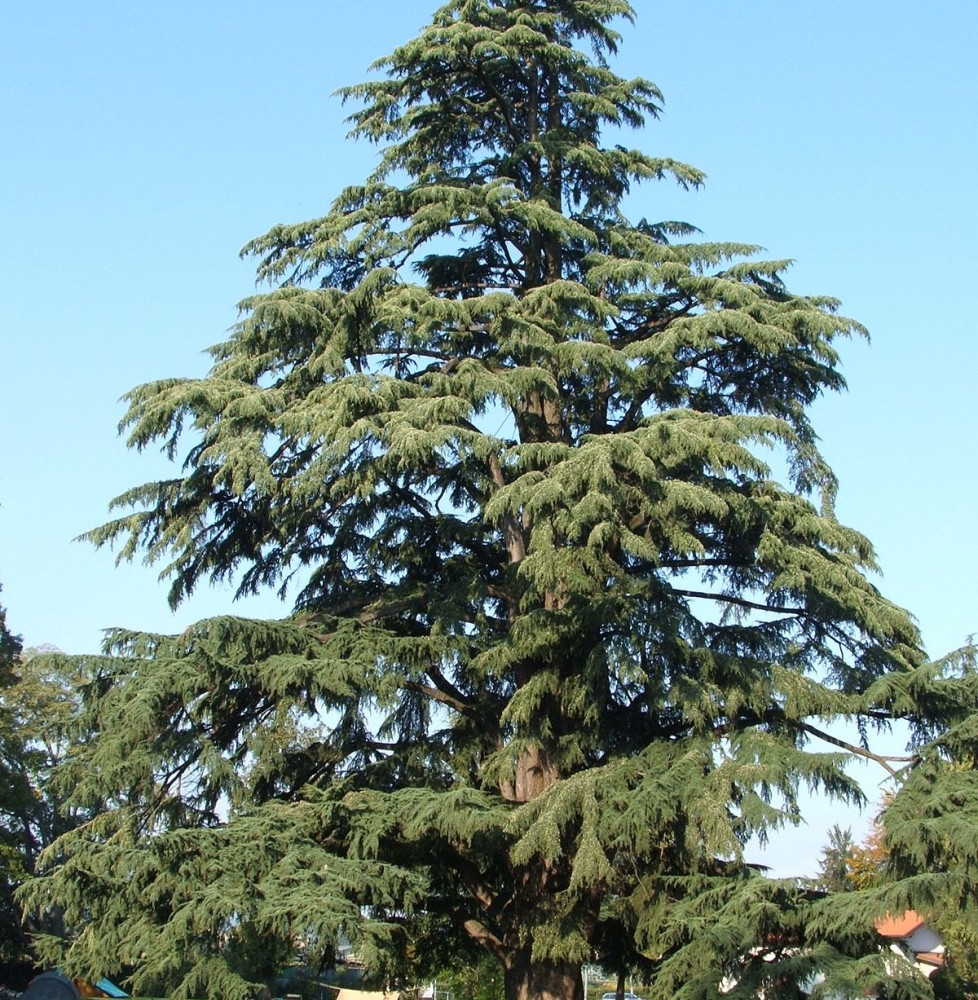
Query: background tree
column 573, row 601
column 926, row 834
column 834, row 868
column 14, row 797
column 480, row 978
column 867, row 859
column 919, row 850
column 846, row 865
column 39, row 711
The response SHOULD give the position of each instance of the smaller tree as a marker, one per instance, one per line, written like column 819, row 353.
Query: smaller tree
column 45, row 704
column 479, row 979
column 39, row 717
column 833, row 868
column 867, row 860
column 920, row 852
column 846, row 866
column 14, row 797
column 929, row 833
column 10, row 647
column 958, row 979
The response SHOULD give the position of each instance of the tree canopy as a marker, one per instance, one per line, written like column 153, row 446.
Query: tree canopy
column 573, row 607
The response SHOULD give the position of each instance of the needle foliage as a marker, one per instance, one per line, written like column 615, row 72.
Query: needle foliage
column 14, row 802
column 573, row 605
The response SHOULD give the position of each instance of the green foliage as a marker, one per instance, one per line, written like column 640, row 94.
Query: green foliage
column 481, row 979
column 920, row 851
column 926, row 833
column 39, row 707
column 14, row 798
column 10, row 647
column 835, row 864
column 958, row 979
column 573, row 602
column 846, row 866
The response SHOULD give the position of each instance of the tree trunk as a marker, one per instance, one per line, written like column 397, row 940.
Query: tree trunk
column 534, row 774
column 525, row 979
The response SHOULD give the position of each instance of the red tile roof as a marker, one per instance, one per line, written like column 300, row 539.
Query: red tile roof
column 899, row 927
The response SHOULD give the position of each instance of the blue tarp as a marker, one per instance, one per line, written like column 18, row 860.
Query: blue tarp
column 106, row 986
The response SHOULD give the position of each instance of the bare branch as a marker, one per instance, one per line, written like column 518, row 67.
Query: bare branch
column 442, row 698
column 742, row 602
column 882, row 759
column 481, row 934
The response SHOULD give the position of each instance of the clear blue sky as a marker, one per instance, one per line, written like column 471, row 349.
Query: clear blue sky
column 146, row 142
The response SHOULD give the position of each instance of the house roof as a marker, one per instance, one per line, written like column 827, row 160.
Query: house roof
column 899, row 927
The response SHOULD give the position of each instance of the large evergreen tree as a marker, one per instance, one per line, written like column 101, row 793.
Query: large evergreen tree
column 573, row 604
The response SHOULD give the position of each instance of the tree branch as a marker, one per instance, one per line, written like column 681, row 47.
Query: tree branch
column 882, row 759
column 446, row 686
column 442, row 698
column 483, row 936
column 742, row 602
